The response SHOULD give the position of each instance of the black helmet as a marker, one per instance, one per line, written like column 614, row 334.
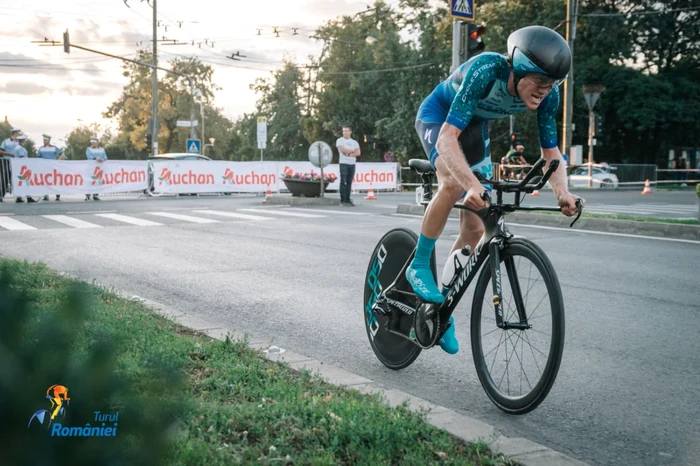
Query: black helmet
column 538, row 49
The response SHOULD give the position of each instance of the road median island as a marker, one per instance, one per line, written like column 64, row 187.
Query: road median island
column 182, row 396
column 665, row 228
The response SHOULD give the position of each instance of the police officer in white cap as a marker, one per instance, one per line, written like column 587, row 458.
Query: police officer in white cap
column 94, row 152
column 20, row 152
column 50, row 152
column 7, row 151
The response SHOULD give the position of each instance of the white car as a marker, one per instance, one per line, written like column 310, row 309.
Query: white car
column 602, row 177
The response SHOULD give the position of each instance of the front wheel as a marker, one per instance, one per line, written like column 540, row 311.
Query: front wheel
column 517, row 368
column 386, row 263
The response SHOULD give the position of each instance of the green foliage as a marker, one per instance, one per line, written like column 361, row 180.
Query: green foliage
column 78, row 141
column 49, row 335
column 697, row 189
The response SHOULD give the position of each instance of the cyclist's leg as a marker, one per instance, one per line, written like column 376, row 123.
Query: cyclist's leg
column 449, row 191
column 475, row 144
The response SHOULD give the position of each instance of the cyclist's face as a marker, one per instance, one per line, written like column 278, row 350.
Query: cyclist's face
column 533, row 88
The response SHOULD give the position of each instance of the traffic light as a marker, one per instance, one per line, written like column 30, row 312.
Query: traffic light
column 474, row 42
column 66, row 42
column 149, row 142
column 598, row 125
column 514, row 138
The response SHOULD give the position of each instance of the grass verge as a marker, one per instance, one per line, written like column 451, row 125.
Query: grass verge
column 182, row 397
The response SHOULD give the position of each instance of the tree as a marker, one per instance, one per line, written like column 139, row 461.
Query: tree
column 78, row 140
column 175, row 102
column 282, row 101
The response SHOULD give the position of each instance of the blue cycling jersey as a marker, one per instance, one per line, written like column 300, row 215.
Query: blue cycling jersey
column 477, row 91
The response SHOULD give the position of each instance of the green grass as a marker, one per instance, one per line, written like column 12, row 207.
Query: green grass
column 630, row 217
column 205, row 401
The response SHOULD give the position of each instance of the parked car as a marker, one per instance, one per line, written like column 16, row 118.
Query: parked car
column 601, row 175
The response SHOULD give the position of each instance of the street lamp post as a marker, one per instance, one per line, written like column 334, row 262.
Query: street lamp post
column 591, row 92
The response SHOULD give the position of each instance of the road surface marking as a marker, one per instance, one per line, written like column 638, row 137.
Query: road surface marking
column 186, row 218
column 232, row 214
column 71, row 221
column 279, row 212
column 132, row 220
column 11, row 224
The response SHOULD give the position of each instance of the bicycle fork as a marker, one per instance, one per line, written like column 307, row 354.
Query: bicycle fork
column 495, row 259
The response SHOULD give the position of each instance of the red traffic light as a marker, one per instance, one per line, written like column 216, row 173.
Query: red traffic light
column 479, row 31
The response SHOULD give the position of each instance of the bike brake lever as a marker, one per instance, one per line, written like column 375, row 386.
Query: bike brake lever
column 579, row 205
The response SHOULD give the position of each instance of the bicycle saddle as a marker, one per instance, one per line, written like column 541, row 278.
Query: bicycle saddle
column 421, row 166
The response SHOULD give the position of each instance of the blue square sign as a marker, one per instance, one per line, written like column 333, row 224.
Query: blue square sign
column 462, row 9
column 194, row 146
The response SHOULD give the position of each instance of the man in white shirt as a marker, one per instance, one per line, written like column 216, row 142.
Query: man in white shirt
column 348, row 151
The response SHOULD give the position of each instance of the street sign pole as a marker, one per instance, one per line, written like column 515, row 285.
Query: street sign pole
column 460, row 11
column 320, row 158
column 591, row 92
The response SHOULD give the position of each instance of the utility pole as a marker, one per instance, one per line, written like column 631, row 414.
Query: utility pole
column 569, row 82
column 156, row 126
column 457, row 40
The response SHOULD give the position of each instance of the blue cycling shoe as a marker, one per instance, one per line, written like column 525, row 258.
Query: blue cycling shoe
column 423, row 283
column 448, row 342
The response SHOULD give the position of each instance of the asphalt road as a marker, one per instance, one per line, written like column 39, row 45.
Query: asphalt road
column 629, row 382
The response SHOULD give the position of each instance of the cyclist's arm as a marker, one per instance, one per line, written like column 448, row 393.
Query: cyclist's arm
column 451, row 154
column 547, row 131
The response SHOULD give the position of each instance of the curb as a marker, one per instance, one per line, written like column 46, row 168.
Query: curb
column 630, row 227
column 523, row 451
column 289, row 200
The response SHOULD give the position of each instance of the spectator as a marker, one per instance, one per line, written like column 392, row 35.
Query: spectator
column 7, row 150
column 348, row 151
column 50, row 152
column 95, row 152
column 20, row 152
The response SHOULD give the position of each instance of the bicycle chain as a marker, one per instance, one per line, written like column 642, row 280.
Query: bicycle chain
column 413, row 326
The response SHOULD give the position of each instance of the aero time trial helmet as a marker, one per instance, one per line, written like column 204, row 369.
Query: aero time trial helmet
column 538, row 49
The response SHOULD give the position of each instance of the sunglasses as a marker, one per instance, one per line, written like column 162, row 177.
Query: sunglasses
column 541, row 81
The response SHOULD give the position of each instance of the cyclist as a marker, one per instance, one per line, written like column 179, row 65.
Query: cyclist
column 515, row 157
column 488, row 86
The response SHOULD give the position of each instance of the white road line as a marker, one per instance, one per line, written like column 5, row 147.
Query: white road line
column 12, row 224
column 132, row 220
column 232, row 214
column 327, row 211
column 278, row 212
column 590, row 232
column 85, row 212
column 186, row 218
column 71, row 221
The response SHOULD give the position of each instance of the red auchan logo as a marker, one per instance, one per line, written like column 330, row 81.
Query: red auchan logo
column 375, row 177
column 52, row 178
column 189, row 177
column 121, row 176
column 251, row 178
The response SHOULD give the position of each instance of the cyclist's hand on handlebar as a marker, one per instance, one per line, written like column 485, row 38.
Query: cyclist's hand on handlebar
column 475, row 198
column 567, row 202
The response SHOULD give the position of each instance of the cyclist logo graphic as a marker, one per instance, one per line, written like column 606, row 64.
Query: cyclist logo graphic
column 58, row 397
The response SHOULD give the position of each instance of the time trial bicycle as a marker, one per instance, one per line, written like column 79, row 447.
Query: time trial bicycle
column 517, row 330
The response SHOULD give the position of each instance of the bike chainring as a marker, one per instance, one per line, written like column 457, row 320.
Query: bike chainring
column 426, row 325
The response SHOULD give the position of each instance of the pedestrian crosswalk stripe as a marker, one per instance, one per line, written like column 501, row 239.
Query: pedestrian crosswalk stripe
column 280, row 212
column 324, row 211
column 11, row 224
column 132, row 220
column 71, row 221
column 186, row 218
column 232, row 215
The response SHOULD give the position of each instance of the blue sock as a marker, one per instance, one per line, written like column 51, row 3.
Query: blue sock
column 424, row 251
column 419, row 273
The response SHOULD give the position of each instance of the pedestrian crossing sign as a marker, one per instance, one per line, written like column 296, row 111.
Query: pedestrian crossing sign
column 462, row 9
column 194, row 146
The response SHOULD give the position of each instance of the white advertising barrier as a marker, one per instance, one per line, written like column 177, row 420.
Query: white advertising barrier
column 37, row 177
column 201, row 176
column 375, row 175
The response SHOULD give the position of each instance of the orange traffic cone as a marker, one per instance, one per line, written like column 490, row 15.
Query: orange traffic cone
column 370, row 195
column 647, row 187
column 535, row 193
column 267, row 193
